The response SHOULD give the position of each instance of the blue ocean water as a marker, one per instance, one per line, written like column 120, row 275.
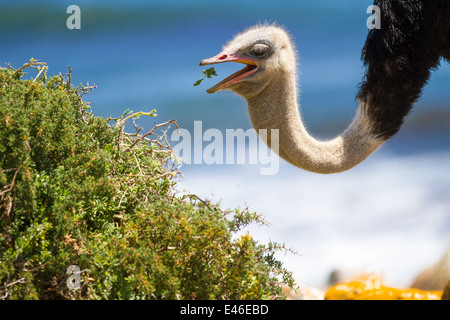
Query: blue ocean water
column 144, row 55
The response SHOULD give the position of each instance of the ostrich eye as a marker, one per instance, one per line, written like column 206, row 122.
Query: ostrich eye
column 260, row 49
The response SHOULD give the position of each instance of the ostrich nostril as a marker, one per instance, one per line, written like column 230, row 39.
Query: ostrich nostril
column 222, row 57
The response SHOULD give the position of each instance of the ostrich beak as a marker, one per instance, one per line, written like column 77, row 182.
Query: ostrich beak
column 236, row 77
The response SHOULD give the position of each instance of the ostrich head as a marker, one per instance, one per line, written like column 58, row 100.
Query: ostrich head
column 267, row 53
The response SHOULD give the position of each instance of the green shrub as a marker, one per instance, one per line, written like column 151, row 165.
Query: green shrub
column 75, row 190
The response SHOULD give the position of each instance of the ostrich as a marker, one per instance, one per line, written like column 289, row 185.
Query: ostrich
column 414, row 35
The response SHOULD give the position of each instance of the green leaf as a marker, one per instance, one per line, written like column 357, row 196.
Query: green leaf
column 210, row 72
column 198, row 82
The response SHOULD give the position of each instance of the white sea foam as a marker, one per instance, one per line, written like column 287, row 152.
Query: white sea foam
column 391, row 212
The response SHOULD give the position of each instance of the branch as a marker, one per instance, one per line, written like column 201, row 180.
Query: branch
column 151, row 132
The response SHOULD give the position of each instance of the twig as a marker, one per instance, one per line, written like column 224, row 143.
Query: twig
column 136, row 114
column 201, row 200
column 69, row 75
column 6, row 190
column 151, row 132
column 20, row 280
column 32, row 63
column 40, row 72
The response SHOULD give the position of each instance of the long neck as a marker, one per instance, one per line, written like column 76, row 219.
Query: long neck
column 276, row 107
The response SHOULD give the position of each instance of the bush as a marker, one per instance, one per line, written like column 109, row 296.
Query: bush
column 77, row 191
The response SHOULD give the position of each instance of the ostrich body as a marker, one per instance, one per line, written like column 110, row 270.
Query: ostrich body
column 399, row 57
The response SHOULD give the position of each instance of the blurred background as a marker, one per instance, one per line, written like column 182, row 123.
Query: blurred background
column 392, row 212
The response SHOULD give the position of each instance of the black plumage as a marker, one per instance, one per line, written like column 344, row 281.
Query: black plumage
column 399, row 57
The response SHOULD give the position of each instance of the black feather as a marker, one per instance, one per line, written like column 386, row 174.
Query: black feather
column 398, row 57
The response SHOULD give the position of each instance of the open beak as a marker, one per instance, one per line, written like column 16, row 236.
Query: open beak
column 236, row 77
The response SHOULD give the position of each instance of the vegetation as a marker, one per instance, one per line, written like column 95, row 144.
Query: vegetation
column 78, row 190
column 208, row 73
